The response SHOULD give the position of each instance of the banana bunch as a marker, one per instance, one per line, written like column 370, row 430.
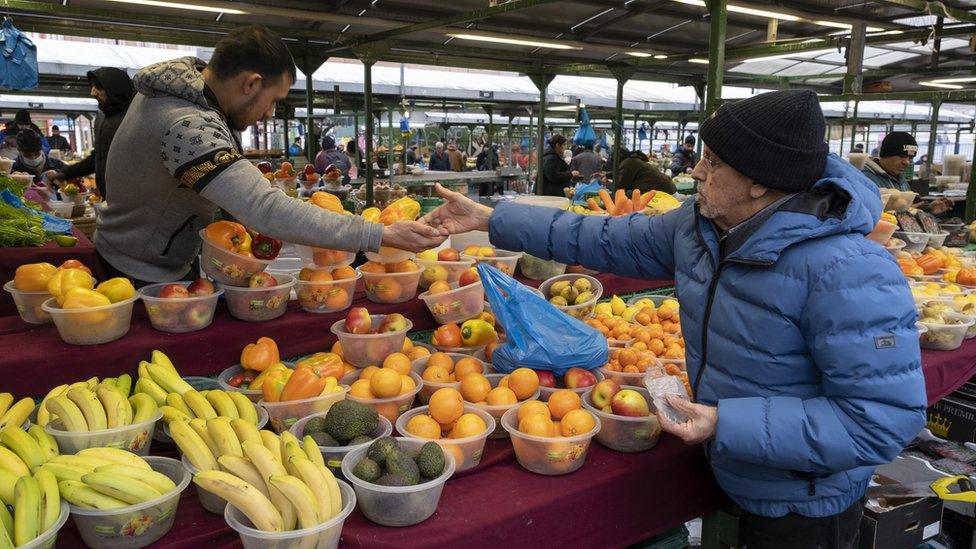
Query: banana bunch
column 22, row 453
column 14, row 414
column 279, row 482
column 207, row 405
column 106, row 406
column 36, row 507
column 106, row 478
column 159, row 378
column 123, row 383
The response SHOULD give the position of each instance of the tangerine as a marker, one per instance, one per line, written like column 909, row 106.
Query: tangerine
column 436, row 374
column 407, row 384
column 424, row 426
column 468, row 425
column 500, row 396
column 538, row 425
column 446, row 405
column 626, row 357
column 656, row 346
column 388, row 289
column 373, row 267
column 385, row 383
column 532, row 407
column 407, row 345
column 443, row 360
column 455, row 452
column 524, row 382
column 503, row 382
column 556, row 428
column 475, row 388
column 337, row 298
column 368, row 372
column 418, row 352
column 402, row 267
column 360, row 389
column 344, row 272
column 398, row 362
column 562, row 401
column 467, row 365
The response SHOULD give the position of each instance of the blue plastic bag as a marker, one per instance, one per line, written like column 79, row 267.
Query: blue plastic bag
column 18, row 59
column 582, row 189
column 538, row 335
column 585, row 135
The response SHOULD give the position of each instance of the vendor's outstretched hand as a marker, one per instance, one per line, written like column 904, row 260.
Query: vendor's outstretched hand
column 701, row 424
column 412, row 236
column 458, row 214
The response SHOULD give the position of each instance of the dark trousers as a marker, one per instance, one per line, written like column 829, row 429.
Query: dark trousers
column 798, row 532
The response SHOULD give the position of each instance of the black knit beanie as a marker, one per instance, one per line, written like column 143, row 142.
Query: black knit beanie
column 898, row 144
column 776, row 138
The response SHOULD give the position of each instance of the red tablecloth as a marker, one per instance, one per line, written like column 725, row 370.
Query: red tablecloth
column 946, row 371
column 27, row 350
column 614, row 500
column 11, row 258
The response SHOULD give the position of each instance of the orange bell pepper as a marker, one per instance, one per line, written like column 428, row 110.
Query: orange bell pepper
column 304, row 383
column 66, row 279
column 227, row 235
column 323, row 364
column 274, row 384
column 966, row 277
column 33, row 277
column 327, row 201
column 74, row 264
column 261, row 355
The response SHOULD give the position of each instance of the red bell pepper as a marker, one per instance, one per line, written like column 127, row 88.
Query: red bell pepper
column 274, row 384
column 304, row 383
column 265, row 247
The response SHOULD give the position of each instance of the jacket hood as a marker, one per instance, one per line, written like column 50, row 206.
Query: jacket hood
column 174, row 78
column 117, row 85
column 872, row 164
column 843, row 201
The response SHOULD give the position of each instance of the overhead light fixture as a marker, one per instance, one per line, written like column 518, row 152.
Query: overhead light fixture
column 513, row 41
column 888, row 32
column 566, row 107
column 846, row 26
column 956, row 79
column 698, row 60
column 660, row 56
column 763, row 13
column 180, row 6
column 639, row 53
column 941, row 85
column 811, row 53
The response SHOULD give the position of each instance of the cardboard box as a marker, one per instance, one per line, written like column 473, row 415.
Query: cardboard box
column 953, row 418
column 901, row 522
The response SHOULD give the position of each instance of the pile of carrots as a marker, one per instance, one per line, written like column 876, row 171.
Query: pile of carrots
column 620, row 204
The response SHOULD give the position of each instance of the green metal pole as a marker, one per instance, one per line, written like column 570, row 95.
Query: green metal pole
column 389, row 145
column 636, row 144
column 843, row 130
column 285, row 129
column 490, row 128
column 854, row 125
column 541, row 82
column 716, row 54
column 933, row 132
column 971, row 191
column 368, row 92
column 309, row 104
column 618, row 137
column 955, row 148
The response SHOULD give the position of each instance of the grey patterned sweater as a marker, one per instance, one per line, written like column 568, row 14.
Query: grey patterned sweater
column 173, row 162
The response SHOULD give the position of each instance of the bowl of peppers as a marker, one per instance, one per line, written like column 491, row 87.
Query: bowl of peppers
column 231, row 254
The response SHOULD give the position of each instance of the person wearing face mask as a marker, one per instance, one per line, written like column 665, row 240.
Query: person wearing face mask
column 177, row 157
column 30, row 156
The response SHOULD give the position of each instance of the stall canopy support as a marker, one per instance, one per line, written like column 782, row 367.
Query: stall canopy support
column 933, row 133
column 541, row 81
column 853, row 80
column 368, row 55
column 717, row 10
column 622, row 74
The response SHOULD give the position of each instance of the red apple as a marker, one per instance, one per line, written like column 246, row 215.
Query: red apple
column 265, row 167
column 546, row 378
column 309, row 169
column 629, row 402
column 393, row 322
column 603, row 392
column 577, row 378
column 448, row 254
column 262, row 280
column 200, row 286
column 358, row 321
column 173, row 291
column 198, row 315
column 472, row 251
column 469, row 276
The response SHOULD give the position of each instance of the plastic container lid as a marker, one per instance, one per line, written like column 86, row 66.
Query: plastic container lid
column 29, row 304
column 91, row 325
column 361, row 350
column 467, row 451
column 626, row 433
column 397, row 505
column 380, row 286
column 548, row 455
column 135, row 437
column 333, row 454
column 457, row 304
column 178, row 315
column 390, row 407
column 259, row 304
column 284, row 414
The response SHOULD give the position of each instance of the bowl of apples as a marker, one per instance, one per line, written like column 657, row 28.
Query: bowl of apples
column 368, row 339
column 179, row 307
column 578, row 379
column 444, row 265
column 626, row 415
column 264, row 298
column 502, row 260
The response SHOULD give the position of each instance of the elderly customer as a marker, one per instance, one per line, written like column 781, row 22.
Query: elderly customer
column 801, row 342
column 587, row 163
column 439, row 160
column 456, row 158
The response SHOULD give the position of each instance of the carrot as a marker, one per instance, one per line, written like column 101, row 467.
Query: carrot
column 646, row 199
column 593, row 205
column 619, row 198
column 635, row 198
column 607, row 202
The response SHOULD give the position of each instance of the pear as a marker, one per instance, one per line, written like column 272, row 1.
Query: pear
column 559, row 301
column 583, row 285
column 629, row 313
column 558, row 287
column 617, row 305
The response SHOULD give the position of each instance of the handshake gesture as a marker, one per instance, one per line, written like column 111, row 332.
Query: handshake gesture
column 458, row 214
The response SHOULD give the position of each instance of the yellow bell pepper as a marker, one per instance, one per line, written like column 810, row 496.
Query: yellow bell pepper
column 477, row 332
column 327, row 201
column 246, row 244
column 404, row 209
column 84, row 298
column 890, row 218
column 66, row 279
column 33, row 277
column 371, row 214
column 259, row 381
column 116, row 289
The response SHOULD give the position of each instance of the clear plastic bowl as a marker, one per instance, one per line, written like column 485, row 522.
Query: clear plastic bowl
column 582, row 310
column 136, row 437
column 657, row 299
column 467, row 451
column 49, row 538
column 914, row 242
column 284, row 414
column 226, row 267
column 361, row 350
column 456, row 305
column 894, row 248
column 391, row 407
column 937, row 240
column 397, row 505
column 482, row 355
column 498, row 410
column 211, row 503
column 626, row 433
column 548, row 455
column 333, row 454
column 503, row 260
column 546, row 392
column 314, row 296
column 92, row 325
column 946, row 337
column 430, row 387
column 448, row 271
column 178, row 315
column 378, row 282
column 225, row 376
column 259, row 304
column 61, row 208
column 323, row 257
column 323, row 536
column 629, row 378
column 540, row 269
column 470, row 351
column 389, row 255
column 138, row 525
column 29, row 304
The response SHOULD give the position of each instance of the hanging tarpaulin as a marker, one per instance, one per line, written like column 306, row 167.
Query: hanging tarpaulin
column 19, row 71
column 642, row 131
column 585, row 135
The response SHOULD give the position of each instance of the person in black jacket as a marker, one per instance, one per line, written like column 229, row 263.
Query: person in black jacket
column 58, row 141
column 31, row 158
column 684, row 159
column 114, row 91
column 555, row 173
column 636, row 173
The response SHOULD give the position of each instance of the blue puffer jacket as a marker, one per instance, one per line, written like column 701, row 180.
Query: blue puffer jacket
column 797, row 327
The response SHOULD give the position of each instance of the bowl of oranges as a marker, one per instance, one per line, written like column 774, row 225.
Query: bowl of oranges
column 627, row 366
column 551, row 438
column 325, row 289
column 440, row 370
column 323, row 257
column 460, row 429
column 662, row 338
column 391, row 282
column 386, row 389
column 498, row 393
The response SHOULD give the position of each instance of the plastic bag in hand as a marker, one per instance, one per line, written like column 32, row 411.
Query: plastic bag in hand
column 538, row 335
column 659, row 387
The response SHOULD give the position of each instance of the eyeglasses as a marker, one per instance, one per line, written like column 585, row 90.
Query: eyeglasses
column 712, row 163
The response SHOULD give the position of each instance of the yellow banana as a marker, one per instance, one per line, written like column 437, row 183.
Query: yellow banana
column 158, row 481
column 222, row 404
column 116, row 455
column 223, row 435
column 244, row 496
column 88, row 463
column 23, row 445
column 47, row 443
column 50, row 498
column 27, row 510
column 6, row 399
column 61, row 472
column 199, row 426
column 269, row 466
column 18, row 413
column 176, row 401
column 68, row 414
column 149, row 387
column 124, row 383
column 107, row 381
column 287, row 436
column 143, row 370
column 199, row 405
column 192, row 446
column 118, row 411
column 160, row 358
column 143, row 407
column 272, row 442
column 125, row 489
column 245, row 408
column 335, row 496
column 312, row 451
column 293, row 450
column 171, row 414
column 242, row 468
column 310, row 475
column 7, row 482
column 11, row 462
column 92, row 382
column 7, row 520
column 301, row 499
column 168, row 379
column 79, row 494
column 90, row 407
column 43, row 415
column 245, row 430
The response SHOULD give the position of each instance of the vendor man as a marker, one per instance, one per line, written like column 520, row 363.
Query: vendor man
column 177, row 157
column 897, row 151
column 801, row 342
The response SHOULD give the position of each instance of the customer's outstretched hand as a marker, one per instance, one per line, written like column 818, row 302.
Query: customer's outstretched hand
column 701, row 424
column 458, row 214
column 412, row 236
